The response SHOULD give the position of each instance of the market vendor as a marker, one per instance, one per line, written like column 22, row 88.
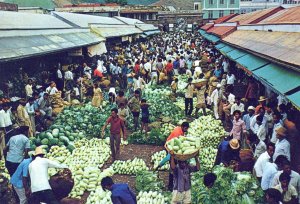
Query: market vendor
column 182, row 180
column 228, row 151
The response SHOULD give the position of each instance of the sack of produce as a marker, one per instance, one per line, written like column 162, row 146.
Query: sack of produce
column 184, row 148
column 62, row 184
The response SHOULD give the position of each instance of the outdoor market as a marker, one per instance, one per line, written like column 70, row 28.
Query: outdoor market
column 115, row 111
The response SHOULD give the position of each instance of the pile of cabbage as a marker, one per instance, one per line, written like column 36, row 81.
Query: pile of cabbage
column 156, row 159
column 152, row 197
column 230, row 187
column 130, row 167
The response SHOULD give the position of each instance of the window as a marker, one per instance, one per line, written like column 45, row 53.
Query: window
column 196, row 7
column 231, row 11
column 210, row 14
column 232, row 2
column 143, row 16
column 211, row 2
column 150, row 16
column 221, row 13
column 221, row 1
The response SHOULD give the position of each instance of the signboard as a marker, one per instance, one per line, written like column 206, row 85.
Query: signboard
column 97, row 49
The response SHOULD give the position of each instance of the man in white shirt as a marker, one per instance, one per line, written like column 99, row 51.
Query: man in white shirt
column 51, row 90
column 282, row 146
column 248, row 117
column 270, row 169
column 277, row 124
column 260, row 129
column 28, row 89
column 5, row 126
column 295, row 177
column 253, row 126
column 262, row 160
column 237, row 106
column 38, row 171
column 215, row 99
column 230, row 78
column 69, row 79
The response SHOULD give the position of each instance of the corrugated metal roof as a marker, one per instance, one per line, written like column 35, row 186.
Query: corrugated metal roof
column 207, row 26
column 16, row 20
column 129, row 21
column 28, row 46
column 286, row 16
column 146, row 27
column 295, row 99
column 83, row 20
column 282, row 46
column 222, row 31
column 225, row 18
column 254, row 17
column 115, row 31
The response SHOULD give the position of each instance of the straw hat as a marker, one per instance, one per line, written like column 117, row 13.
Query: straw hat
column 38, row 151
column 281, row 131
column 234, row 144
column 262, row 98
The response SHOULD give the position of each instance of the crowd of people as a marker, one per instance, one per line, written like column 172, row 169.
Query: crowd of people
column 119, row 78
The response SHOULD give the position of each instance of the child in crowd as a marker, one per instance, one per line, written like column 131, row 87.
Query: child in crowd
column 145, row 115
column 289, row 192
column 123, row 113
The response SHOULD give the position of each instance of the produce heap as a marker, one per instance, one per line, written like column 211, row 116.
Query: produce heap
column 230, row 187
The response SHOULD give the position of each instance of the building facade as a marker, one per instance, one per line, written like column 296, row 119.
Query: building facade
column 213, row 9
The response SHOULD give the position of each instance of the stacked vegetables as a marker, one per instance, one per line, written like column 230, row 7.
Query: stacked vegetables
column 3, row 170
column 148, row 181
column 151, row 197
column 157, row 157
column 207, row 158
column 129, row 166
column 182, row 145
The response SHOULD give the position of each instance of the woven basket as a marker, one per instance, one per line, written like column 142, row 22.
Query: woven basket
column 183, row 157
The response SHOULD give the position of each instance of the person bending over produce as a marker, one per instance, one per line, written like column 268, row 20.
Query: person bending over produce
column 120, row 193
column 209, row 179
column 182, row 180
column 116, row 126
column 38, row 171
column 228, row 151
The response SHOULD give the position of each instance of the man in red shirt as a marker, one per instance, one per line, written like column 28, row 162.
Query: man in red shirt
column 179, row 131
column 116, row 128
column 169, row 70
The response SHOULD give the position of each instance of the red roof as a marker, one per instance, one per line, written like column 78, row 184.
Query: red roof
column 222, row 31
column 255, row 17
column 207, row 26
column 225, row 18
column 286, row 16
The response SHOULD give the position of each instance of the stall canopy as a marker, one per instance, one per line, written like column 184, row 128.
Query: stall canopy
column 148, row 33
column 209, row 37
column 295, row 99
column 251, row 62
column 226, row 49
column 281, row 79
column 220, row 45
column 236, row 53
column 28, row 46
column 115, row 31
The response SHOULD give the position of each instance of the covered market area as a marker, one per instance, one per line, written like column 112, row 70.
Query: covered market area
column 111, row 110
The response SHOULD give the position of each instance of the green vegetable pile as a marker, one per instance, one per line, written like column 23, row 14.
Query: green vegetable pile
column 148, row 181
column 156, row 159
column 131, row 167
column 229, row 188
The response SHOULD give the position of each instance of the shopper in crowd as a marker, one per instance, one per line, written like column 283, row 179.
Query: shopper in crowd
column 59, row 78
column 41, row 190
column 20, row 181
column 215, row 99
column 120, row 193
column 134, row 105
column 117, row 129
column 16, row 149
column 238, row 130
column 29, row 88
column 228, row 151
column 261, row 161
column 121, row 99
column 31, row 112
column 248, row 117
column 273, row 196
column 288, row 192
column 44, row 106
column 5, row 125
column 282, row 146
column 262, row 104
column 97, row 98
column 294, row 177
column 237, row 106
column 200, row 100
column 270, row 170
column 189, row 98
column 51, row 89
column 23, row 116
column 257, row 146
column 145, row 115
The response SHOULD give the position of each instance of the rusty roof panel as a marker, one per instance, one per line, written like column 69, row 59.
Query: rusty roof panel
column 255, row 17
column 222, row 31
column 207, row 26
column 225, row 18
column 286, row 16
column 282, row 46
